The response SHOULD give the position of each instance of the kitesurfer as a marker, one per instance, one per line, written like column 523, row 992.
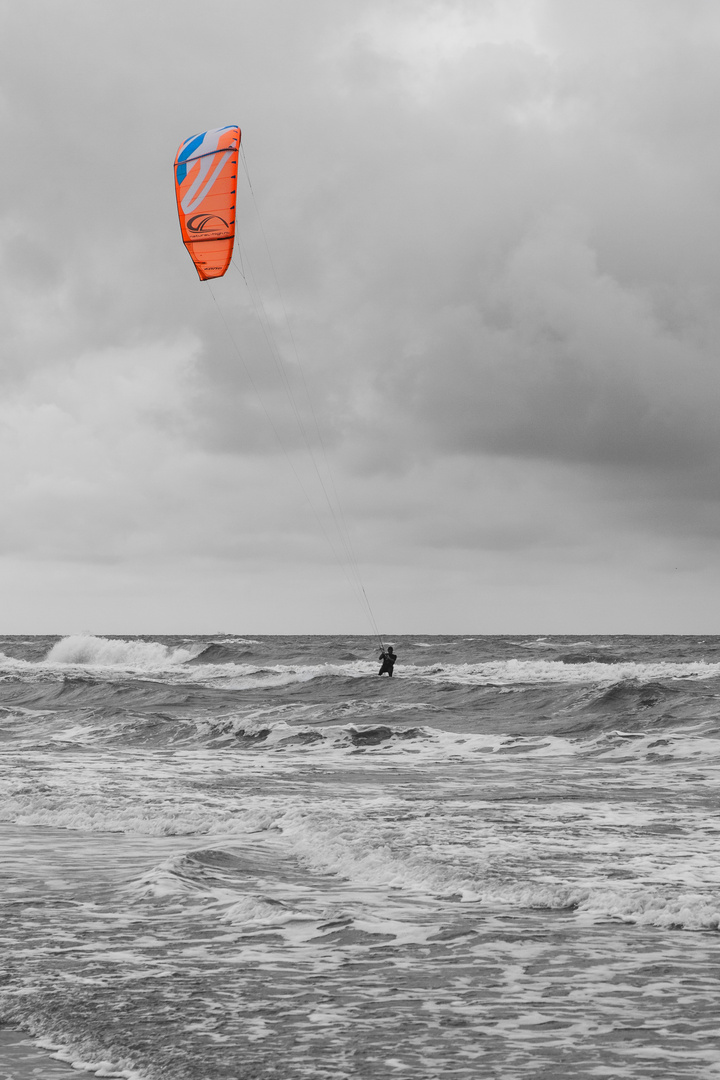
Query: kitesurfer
column 388, row 658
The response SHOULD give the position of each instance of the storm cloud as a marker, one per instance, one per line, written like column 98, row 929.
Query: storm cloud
column 475, row 300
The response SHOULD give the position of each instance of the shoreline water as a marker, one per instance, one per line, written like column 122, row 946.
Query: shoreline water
column 242, row 855
column 21, row 1058
column 26, row 1057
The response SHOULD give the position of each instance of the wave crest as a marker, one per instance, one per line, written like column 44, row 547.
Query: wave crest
column 90, row 651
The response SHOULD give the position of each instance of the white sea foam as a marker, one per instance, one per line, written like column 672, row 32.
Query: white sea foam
column 254, row 911
column 309, row 854
column 85, row 650
column 98, row 1068
column 652, row 907
column 81, row 652
column 501, row 673
column 539, row 672
column 676, row 745
column 254, row 676
column 142, row 818
column 361, row 853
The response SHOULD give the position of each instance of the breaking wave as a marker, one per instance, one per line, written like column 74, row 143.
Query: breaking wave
column 89, row 651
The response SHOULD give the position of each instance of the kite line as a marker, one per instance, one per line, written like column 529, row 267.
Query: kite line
column 206, row 187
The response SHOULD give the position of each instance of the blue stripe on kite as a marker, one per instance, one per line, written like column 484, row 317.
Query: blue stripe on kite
column 190, row 146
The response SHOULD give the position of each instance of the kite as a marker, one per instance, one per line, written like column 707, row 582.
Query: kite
column 205, row 186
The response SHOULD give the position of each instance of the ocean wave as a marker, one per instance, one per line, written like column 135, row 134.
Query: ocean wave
column 237, row 641
column 81, row 1062
column 488, row 673
column 365, row 855
column 538, row 643
column 218, row 652
column 589, row 657
column 228, row 880
column 651, row 907
column 657, row 722
column 219, row 664
column 82, row 815
column 535, row 672
column 637, row 905
column 85, row 650
column 372, row 845
column 261, row 730
column 394, row 741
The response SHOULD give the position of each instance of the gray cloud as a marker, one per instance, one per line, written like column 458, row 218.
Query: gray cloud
column 493, row 227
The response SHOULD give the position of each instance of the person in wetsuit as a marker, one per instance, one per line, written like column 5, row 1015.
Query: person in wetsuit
column 388, row 658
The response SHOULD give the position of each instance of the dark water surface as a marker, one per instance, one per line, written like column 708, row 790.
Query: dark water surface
column 251, row 857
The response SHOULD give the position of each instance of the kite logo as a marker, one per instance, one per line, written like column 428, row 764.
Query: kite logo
column 202, row 223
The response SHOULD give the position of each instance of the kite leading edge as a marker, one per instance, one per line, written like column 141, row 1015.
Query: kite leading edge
column 205, row 186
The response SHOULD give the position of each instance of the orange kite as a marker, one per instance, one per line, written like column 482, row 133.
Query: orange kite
column 205, row 186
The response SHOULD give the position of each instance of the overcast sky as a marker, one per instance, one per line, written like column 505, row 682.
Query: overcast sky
column 476, row 292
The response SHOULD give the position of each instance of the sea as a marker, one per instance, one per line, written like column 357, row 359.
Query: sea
column 236, row 857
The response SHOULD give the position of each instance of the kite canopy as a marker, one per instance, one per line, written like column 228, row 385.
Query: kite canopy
column 205, row 186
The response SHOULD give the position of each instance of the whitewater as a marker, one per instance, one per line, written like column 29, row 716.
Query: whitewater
column 251, row 857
